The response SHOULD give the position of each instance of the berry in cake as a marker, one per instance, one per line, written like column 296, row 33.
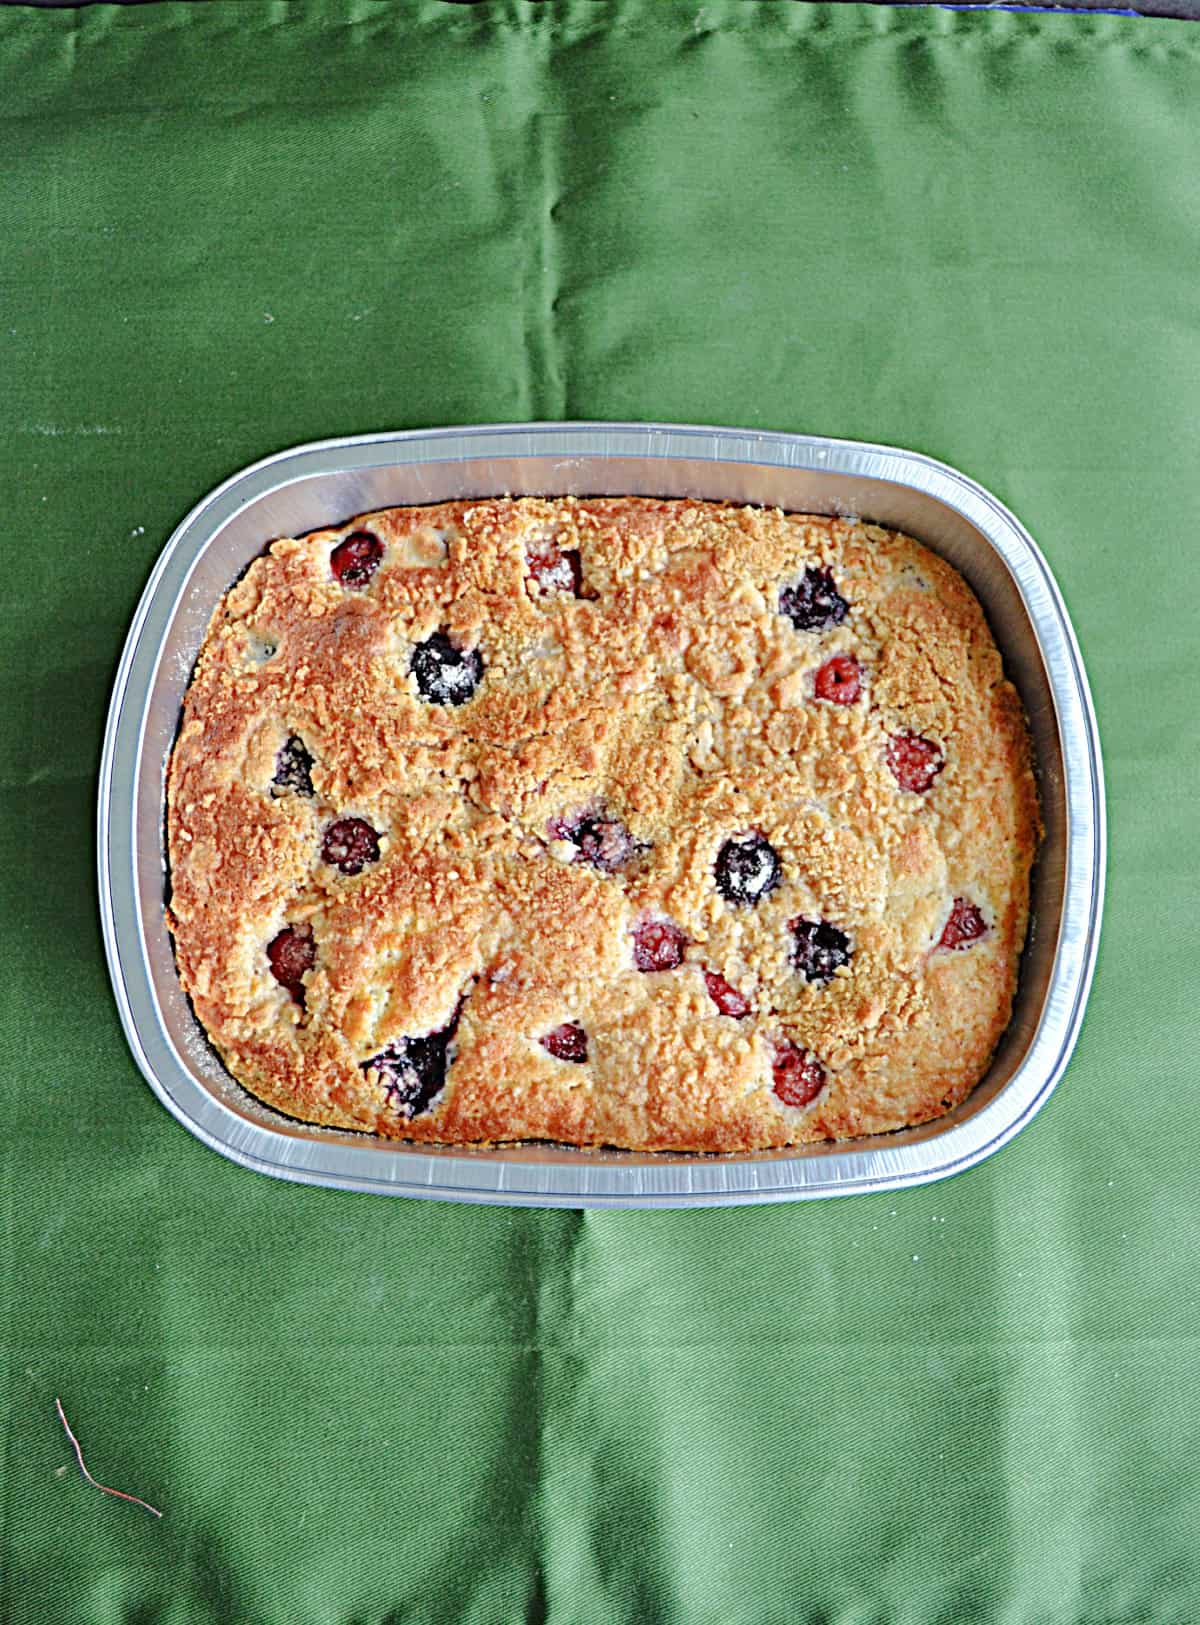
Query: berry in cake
column 292, row 954
column 293, row 767
column 413, row 1071
column 444, row 673
column 726, row 998
column 567, row 1042
column 839, row 680
column 355, row 560
column 797, row 1076
column 914, row 761
column 600, row 839
column 556, row 570
column 965, row 925
column 747, row 869
column 658, row 945
column 813, row 604
column 818, row 949
column 349, row 845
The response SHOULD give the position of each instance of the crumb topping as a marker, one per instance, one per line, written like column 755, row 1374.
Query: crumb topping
column 651, row 824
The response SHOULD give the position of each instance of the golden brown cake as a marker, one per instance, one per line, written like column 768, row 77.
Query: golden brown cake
column 650, row 824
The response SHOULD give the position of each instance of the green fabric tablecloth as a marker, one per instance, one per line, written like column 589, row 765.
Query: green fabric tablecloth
column 228, row 228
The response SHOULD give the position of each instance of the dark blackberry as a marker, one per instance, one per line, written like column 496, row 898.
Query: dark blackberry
column 820, row 949
column 600, row 839
column 413, row 1070
column 747, row 868
column 445, row 674
column 814, row 603
column 293, row 768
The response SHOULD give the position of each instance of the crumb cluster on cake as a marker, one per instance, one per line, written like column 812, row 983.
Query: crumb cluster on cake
column 662, row 825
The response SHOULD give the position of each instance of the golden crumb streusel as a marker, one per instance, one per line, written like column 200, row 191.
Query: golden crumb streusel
column 649, row 824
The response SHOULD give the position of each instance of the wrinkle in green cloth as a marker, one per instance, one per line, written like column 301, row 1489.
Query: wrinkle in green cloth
column 225, row 229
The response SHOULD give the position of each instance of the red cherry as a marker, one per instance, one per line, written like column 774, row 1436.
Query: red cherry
column 292, row 953
column 726, row 998
column 556, row 571
column 965, row 925
column 567, row 1043
column 914, row 760
column 799, row 1076
column 355, row 559
column 839, row 680
column 658, row 945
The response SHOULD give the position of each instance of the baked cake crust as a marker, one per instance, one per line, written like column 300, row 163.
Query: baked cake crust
column 623, row 854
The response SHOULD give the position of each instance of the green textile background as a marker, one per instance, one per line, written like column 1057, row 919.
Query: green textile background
column 228, row 228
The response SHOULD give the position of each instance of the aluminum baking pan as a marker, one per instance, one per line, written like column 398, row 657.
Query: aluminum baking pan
column 330, row 481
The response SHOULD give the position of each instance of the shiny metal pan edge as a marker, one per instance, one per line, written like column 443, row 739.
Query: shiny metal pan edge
column 328, row 482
